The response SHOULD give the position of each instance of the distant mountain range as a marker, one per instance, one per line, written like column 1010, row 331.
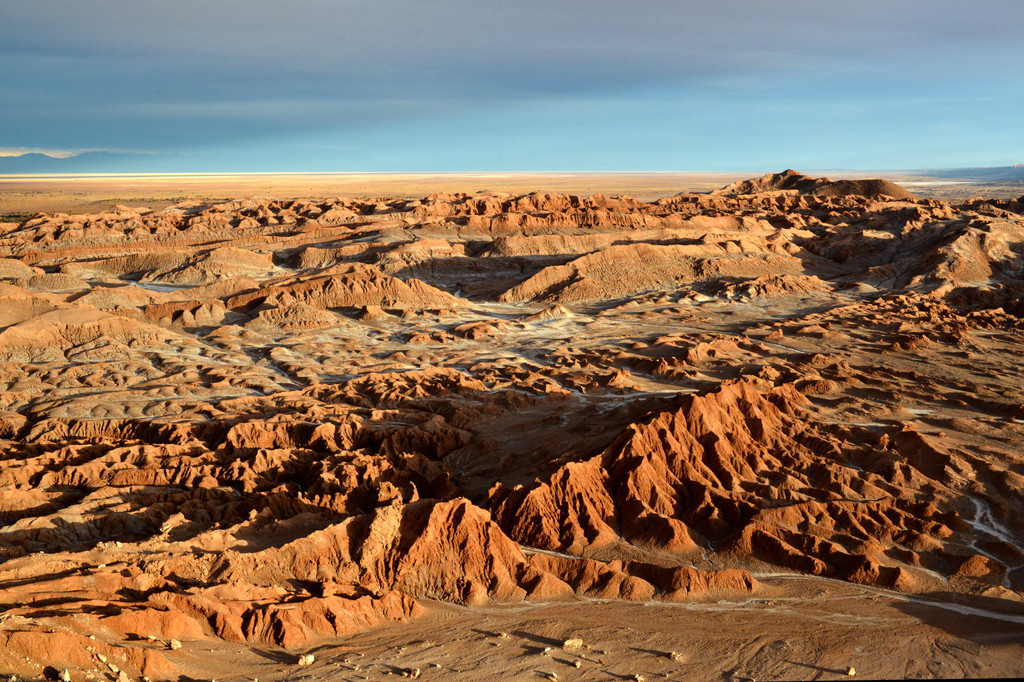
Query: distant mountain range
column 88, row 162
column 1013, row 173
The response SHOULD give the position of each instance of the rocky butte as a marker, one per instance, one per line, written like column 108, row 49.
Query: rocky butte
column 264, row 425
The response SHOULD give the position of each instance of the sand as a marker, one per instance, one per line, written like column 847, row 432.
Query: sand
column 27, row 194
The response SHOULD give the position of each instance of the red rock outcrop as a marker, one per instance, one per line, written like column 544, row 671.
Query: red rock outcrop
column 279, row 422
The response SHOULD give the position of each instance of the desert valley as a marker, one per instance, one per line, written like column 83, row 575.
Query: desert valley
column 769, row 431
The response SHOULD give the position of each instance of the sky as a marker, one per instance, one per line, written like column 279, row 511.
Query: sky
column 531, row 85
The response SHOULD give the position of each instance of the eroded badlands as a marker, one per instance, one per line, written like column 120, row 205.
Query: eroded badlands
column 275, row 423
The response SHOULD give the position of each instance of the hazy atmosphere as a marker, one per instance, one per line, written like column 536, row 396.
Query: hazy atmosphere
column 348, row 85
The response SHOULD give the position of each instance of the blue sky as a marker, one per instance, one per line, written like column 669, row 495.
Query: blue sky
column 470, row 85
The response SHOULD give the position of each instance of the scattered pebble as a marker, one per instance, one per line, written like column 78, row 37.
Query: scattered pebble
column 306, row 659
column 573, row 643
column 577, row 664
column 677, row 657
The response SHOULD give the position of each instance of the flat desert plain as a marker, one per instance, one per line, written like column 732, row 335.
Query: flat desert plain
column 22, row 196
column 565, row 427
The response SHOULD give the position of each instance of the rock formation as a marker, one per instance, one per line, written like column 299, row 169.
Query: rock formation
column 278, row 422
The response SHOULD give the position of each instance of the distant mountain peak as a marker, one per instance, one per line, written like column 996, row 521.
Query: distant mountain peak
column 83, row 162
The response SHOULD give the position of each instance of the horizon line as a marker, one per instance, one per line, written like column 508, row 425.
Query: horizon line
column 488, row 173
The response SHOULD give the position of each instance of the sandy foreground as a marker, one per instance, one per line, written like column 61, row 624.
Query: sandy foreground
column 797, row 629
column 623, row 428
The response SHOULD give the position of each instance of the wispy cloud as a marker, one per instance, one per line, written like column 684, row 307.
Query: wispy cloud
column 67, row 153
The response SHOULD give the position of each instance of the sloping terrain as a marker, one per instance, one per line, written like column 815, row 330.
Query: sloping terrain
column 269, row 424
column 790, row 181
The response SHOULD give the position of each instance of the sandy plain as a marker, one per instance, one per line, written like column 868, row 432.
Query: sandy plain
column 23, row 195
column 767, row 432
column 92, row 193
